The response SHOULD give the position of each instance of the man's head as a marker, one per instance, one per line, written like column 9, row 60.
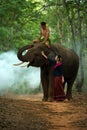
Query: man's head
column 43, row 25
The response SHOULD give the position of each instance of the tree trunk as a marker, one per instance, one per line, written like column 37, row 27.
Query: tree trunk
column 76, row 41
column 80, row 77
column 59, row 24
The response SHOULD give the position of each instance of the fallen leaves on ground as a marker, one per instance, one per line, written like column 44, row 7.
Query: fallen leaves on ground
column 30, row 113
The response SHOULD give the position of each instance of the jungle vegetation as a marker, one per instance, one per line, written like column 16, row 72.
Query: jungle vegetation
column 67, row 20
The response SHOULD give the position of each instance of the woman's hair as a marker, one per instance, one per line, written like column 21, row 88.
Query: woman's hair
column 60, row 58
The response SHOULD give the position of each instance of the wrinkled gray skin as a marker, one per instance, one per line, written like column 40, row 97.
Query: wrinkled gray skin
column 70, row 66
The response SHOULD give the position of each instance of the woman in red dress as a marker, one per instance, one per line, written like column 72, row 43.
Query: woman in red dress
column 59, row 94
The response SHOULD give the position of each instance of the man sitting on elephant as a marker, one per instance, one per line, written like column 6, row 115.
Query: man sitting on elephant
column 44, row 35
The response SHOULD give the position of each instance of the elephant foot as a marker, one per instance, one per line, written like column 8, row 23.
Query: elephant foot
column 44, row 99
column 69, row 97
column 50, row 99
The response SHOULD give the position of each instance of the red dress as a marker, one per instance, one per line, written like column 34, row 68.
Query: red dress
column 59, row 94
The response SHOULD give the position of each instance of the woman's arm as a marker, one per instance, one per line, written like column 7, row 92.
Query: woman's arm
column 62, row 79
column 43, row 54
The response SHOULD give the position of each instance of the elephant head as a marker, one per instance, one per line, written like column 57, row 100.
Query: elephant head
column 32, row 54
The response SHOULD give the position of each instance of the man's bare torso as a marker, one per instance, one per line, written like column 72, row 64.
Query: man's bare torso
column 45, row 32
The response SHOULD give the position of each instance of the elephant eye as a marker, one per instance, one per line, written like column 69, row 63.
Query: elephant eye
column 24, row 52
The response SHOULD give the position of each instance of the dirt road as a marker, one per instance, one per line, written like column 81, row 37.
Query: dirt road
column 30, row 113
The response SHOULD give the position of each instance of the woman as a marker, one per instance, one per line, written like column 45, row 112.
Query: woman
column 58, row 94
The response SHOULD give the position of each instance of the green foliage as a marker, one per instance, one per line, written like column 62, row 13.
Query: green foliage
column 20, row 21
column 16, row 18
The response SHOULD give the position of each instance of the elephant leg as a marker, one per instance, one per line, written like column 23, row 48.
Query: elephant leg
column 69, row 90
column 50, row 94
column 45, row 83
column 50, row 88
column 45, row 89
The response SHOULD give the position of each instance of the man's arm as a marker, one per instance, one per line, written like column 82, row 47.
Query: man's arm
column 40, row 34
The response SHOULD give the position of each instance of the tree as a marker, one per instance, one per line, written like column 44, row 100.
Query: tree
column 75, row 12
column 16, row 18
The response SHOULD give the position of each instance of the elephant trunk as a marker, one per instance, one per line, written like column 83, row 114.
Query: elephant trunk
column 20, row 52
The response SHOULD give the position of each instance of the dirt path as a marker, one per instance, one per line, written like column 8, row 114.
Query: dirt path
column 30, row 113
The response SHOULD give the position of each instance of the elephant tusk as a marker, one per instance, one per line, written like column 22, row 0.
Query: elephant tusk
column 26, row 64
column 18, row 64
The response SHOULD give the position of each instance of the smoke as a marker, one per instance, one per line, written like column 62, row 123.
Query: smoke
column 15, row 78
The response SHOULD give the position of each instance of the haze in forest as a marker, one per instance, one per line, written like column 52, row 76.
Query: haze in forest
column 16, row 77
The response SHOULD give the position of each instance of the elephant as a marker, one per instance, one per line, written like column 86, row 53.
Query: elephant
column 70, row 62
